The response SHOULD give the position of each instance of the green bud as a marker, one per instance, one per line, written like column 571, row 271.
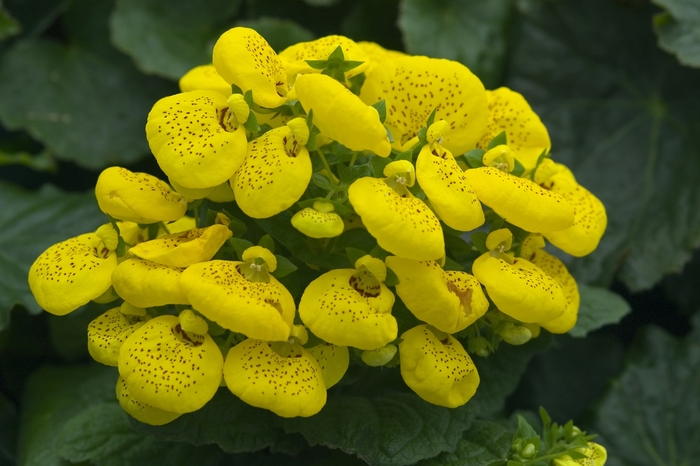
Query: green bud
column 479, row 346
column 528, row 451
column 515, row 334
column 380, row 356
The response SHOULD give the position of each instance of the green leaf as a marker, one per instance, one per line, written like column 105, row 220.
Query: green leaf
column 8, row 431
column 475, row 158
column 479, row 241
column 380, row 107
column 519, row 169
column 168, row 39
column 284, row 267
column 279, row 33
column 678, row 29
column 240, row 245
column 407, row 155
column 86, row 106
column 378, row 164
column 354, row 254
column 321, row 3
column 451, row 264
column 391, row 278
column 393, row 429
column 473, row 32
column 485, row 442
column 622, row 114
column 651, row 415
column 29, row 224
column 68, row 333
column 8, row 25
column 321, row 181
column 500, row 139
column 267, row 242
column 599, row 307
column 350, row 174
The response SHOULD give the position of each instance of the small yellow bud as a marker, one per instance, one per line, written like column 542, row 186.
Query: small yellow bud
column 403, row 171
column 500, row 157
column 300, row 334
column 300, row 130
column 108, row 235
column 324, row 206
column 380, row 356
column 501, row 238
column 222, row 219
column 239, row 107
column 375, row 266
column 436, row 131
column 191, row 323
column 255, row 252
column 528, row 451
column 515, row 334
column 130, row 310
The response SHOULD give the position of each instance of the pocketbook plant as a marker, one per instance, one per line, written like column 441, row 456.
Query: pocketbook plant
column 411, row 210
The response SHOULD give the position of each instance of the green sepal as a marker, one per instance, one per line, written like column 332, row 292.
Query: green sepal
column 518, row 169
column 317, row 64
column 284, row 267
column 479, row 241
column 408, row 155
column 422, row 136
column 378, row 253
column 336, row 55
column 236, row 90
column 268, row 243
column 121, row 247
column 356, row 83
column 153, row 229
column 500, row 139
column 451, row 264
column 251, row 123
column 389, row 136
column 237, row 227
column 354, row 254
column 431, row 118
column 540, row 159
column 349, row 65
column 391, row 278
column 475, row 158
column 380, row 107
column 239, row 245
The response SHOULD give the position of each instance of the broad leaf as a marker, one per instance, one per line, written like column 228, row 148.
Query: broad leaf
column 169, row 38
column 473, row 33
column 8, row 431
column 678, row 29
column 8, row 25
column 651, row 415
column 279, row 33
column 483, row 443
column 621, row 114
column 30, row 223
column 599, row 307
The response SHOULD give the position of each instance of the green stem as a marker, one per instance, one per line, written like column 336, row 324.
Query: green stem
column 327, row 167
column 352, row 160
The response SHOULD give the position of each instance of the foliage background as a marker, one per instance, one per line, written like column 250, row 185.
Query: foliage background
column 615, row 83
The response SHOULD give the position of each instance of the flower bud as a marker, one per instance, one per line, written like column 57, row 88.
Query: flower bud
column 515, row 334
column 380, row 356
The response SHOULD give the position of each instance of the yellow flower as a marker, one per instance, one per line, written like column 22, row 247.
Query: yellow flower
column 319, row 222
column 137, row 197
column 351, row 307
column 526, row 135
column 275, row 174
column 520, row 201
column 222, row 193
column 191, row 194
column 380, row 356
column 220, row 291
column 448, row 300
column 148, row 284
column 168, row 368
column 378, row 55
column 402, row 224
column 141, row 411
column 532, row 250
column 333, row 361
column 287, row 382
column 71, row 273
column 204, row 78
column 436, row 367
column 244, row 58
column 185, row 248
column 107, row 332
column 597, row 456
column 196, row 139
column 341, row 115
column 447, row 188
column 415, row 86
column 590, row 218
column 294, row 57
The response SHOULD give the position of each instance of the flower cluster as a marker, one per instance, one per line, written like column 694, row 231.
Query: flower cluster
column 334, row 138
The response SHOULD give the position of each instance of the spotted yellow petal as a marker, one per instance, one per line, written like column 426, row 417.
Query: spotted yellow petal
column 141, row 411
column 315, row 224
column 414, row 86
column 244, row 58
column 294, row 57
column 596, row 455
column 378, row 55
column 257, row 309
column 204, row 78
column 439, row 370
column 275, row 174
column 449, row 192
column 526, row 135
column 289, row 386
column 71, row 273
column 185, row 248
column 520, row 201
column 147, row 284
column 448, row 300
column 333, row 360
column 195, row 139
column 404, row 226
column 520, row 289
column 137, row 197
column 341, row 115
column 169, row 369
column 107, row 332
column 192, row 194
column 337, row 308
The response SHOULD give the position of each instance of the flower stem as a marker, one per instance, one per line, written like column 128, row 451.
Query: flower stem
column 327, row 167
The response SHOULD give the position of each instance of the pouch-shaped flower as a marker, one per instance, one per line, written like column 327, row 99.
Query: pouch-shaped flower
column 439, row 370
column 341, row 115
column 448, row 300
column 295, row 56
column 526, row 134
column 243, row 57
column 288, row 383
column 261, row 310
column 333, row 360
column 137, row 197
column 378, row 55
column 414, row 86
column 71, row 273
column 275, row 174
column 185, row 248
column 196, row 138
column 204, row 77
column 168, row 368
column 520, row 201
column 596, row 455
column 107, row 332
column 147, row 284
column 447, row 188
column 141, row 411
column 319, row 222
column 519, row 288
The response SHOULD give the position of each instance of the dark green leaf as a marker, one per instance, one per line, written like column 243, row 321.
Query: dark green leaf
column 284, row 267
column 321, row 181
column 500, row 139
column 237, row 227
column 452, row 265
column 608, row 90
column 354, row 254
column 651, row 415
column 678, row 29
column 267, row 242
column 68, row 333
column 519, row 169
column 378, row 165
column 251, row 123
column 599, row 307
column 350, row 174
column 240, row 245
column 8, row 25
column 431, row 118
column 43, row 161
column 473, row 32
column 35, row 16
column 380, row 107
column 479, row 241
column 167, row 38
column 391, row 278
column 485, row 442
column 321, row 3
column 474, row 158
column 85, row 106
column 8, row 431
column 408, row 155
column 279, row 33
column 30, row 223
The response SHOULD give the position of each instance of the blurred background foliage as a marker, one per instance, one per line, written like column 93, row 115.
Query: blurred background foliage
column 616, row 83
